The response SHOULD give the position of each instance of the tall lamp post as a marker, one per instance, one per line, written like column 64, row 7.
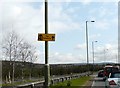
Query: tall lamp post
column 105, row 51
column 87, row 41
column 93, row 52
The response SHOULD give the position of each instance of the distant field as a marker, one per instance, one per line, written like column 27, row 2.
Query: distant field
column 72, row 83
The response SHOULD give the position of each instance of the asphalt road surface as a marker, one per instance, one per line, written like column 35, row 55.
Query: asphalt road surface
column 98, row 82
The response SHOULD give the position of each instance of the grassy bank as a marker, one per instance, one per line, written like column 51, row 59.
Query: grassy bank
column 77, row 83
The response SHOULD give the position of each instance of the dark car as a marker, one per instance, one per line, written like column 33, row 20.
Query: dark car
column 108, row 70
column 100, row 73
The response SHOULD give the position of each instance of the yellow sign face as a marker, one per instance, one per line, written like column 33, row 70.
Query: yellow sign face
column 46, row 37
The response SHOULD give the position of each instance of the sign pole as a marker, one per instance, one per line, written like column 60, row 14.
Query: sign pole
column 47, row 73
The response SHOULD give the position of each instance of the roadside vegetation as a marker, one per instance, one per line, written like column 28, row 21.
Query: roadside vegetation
column 37, row 72
column 77, row 83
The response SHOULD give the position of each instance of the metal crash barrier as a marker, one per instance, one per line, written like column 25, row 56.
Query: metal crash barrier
column 53, row 81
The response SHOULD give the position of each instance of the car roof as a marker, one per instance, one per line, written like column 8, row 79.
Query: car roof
column 108, row 66
column 115, row 72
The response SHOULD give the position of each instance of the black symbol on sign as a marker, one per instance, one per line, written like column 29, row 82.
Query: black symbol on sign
column 40, row 37
column 53, row 37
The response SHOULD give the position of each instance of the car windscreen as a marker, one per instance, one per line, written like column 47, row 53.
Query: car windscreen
column 115, row 75
column 111, row 69
column 108, row 69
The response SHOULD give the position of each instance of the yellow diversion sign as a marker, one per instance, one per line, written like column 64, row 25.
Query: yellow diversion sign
column 46, row 37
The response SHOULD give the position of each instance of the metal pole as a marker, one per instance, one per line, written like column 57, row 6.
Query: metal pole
column 93, row 52
column 116, row 59
column 87, row 48
column 105, row 51
column 104, row 56
column 87, row 43
column 47, row 73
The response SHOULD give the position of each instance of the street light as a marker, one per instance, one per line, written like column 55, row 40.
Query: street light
column 87, row 40
column 93, row 52
column 105, row 51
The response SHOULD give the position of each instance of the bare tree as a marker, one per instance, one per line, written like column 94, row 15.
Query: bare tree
column 32, row 58
column 11, row 43
column 27, row 52
column 24, row 54
column 16, row 49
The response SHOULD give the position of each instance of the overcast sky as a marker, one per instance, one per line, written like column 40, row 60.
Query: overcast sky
column 67, row 20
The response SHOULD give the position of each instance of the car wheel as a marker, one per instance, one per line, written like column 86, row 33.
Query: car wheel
column 106, row 87
column 104, row 78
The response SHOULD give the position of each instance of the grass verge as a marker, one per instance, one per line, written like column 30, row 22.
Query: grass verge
column 77, row 83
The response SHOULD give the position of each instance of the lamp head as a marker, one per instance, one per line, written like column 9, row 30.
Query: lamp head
column 92, row 21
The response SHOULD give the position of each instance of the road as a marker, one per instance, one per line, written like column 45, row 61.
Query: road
column 98, row 82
